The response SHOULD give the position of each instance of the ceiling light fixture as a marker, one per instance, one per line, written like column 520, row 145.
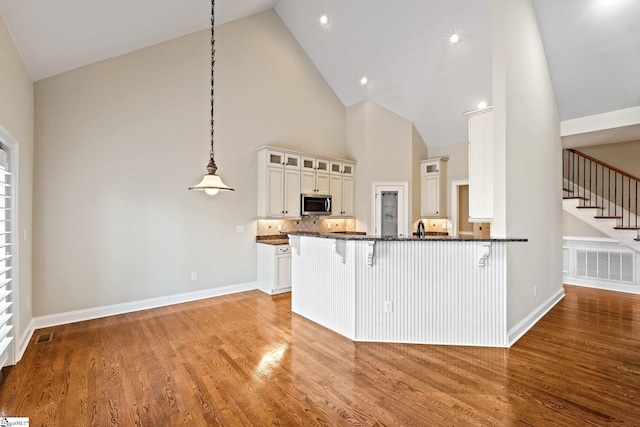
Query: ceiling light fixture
column 324, row 20
column 455, row 38
column 364, row 80
column 482, row 104
column 212, row 183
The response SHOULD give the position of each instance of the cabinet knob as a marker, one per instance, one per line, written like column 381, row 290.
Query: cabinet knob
column 282, row 211
column 286, row 212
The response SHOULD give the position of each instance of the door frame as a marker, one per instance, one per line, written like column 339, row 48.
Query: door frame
column 455, row 196
column 402, row 187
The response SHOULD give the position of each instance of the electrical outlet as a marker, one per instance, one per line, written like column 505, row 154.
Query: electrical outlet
column 28, row 302
column 535, row 290
column 388, row 306
column 194, row 276
column 279, row 227
column 239, row 229
column 329, row 225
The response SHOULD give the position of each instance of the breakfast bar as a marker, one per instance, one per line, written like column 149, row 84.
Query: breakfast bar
column 428, row 290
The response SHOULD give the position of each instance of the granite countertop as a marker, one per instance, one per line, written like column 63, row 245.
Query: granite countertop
column 283, row 237
column 343, row 236
column 273, row 239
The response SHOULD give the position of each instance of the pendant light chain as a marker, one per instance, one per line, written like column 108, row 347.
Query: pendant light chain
column 212, row 183
column 213, row 61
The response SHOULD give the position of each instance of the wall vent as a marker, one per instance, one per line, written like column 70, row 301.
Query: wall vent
column 606, row 265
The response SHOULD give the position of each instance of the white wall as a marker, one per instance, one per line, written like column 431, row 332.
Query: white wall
column 16, row 115
column 382, row 143
column 118, row 143
column 529, row 151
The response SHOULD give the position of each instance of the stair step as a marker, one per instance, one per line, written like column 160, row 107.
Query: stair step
column 607, row 217
column 574, row 197
column 626, row 228
column 588, row 207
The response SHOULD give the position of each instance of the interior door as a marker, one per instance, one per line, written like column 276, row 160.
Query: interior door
column 390, row 209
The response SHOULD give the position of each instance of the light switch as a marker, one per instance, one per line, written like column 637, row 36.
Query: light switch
column 239, row 229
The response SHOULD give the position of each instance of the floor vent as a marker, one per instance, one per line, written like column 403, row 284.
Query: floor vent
column 607, row 265
column 44, row 338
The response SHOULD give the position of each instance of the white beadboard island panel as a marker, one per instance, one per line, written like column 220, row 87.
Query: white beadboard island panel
column 435, row 289
column 438, row 294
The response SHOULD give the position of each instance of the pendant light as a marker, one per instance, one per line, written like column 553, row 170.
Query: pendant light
column 212, row 183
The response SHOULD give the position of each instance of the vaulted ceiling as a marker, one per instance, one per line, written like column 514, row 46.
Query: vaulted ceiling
column 402, row 46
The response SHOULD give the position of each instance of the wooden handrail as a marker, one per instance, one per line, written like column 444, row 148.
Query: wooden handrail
column 606, row 165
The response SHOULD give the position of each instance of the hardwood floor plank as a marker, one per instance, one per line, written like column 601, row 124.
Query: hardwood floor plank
column 245, row 359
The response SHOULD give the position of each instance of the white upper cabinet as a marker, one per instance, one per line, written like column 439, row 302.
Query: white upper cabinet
column 285, row 160
column 279, row 184
column 481, row 165
column 315, row 176
column 284, row 175
column 342, row 192
column 433, row 184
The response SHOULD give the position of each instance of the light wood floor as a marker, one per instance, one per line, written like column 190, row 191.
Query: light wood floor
column 244, row 359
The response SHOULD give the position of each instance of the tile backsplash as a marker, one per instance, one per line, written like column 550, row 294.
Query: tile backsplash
column 434, row 225
column 307, row 223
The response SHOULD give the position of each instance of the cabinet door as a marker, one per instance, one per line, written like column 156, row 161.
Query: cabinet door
column 322, row 183
column 322, row 166
column 275, row 158
column 275, row 192
column 336, row 195
column 283, row 271
column 291, row 193
column 347, row 169
column 431, row 196
column 335, row 168
column 347, row 196
column 292, row 161
column 308, row 164
column 308, row 182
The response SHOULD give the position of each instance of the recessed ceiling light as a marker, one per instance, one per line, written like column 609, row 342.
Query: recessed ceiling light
column 455, row 38
column 482, row 104
column 324, row 19
column 364, row 80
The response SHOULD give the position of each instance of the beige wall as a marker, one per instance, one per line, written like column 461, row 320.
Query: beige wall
column 624, row 155
column 528, row 159
column 16, row 116
column 118, row 143
column 382, row 142
column 573, row 227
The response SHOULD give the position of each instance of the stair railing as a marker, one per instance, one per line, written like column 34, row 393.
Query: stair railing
column 600, row 185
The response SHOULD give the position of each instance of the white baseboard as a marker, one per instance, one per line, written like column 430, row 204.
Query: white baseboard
column 128, row 307
column 616, row 287
column 25, row 339
column 528, row 322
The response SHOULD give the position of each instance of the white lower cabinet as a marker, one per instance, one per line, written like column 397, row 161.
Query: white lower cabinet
column 274, row 268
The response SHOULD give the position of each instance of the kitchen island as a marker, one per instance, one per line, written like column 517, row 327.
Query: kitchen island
column 429, row 290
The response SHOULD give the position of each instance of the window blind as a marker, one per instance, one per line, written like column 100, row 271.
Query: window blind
column 6, row 265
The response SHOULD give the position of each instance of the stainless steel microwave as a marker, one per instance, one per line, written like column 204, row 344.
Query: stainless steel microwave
column 314, row 204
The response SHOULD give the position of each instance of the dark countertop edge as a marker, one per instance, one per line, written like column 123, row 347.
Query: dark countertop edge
column 274, row 242
column 337, row 236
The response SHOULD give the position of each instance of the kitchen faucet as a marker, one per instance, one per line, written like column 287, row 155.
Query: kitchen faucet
column 420, row 232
